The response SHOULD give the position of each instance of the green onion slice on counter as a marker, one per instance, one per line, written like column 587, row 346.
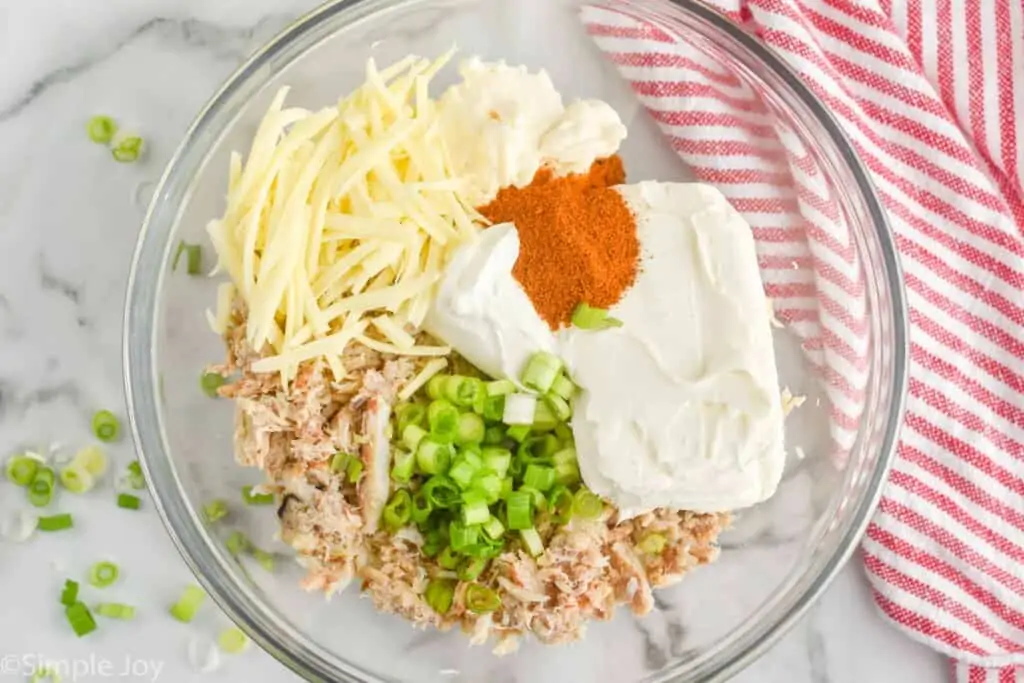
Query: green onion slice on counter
column 184, row 610
column 101, row 129
column 103, row 574
column 105, row 426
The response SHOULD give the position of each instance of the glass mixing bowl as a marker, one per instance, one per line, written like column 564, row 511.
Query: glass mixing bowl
column 780, row 555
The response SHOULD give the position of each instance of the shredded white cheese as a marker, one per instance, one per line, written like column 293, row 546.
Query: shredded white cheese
column 341, row 218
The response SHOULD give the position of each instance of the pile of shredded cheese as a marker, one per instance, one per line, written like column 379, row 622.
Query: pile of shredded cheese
column 340, row 222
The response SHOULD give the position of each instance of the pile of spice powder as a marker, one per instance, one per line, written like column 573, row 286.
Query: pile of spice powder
column 578, row 241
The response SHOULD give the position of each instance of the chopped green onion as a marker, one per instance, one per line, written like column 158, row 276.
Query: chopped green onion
column 494, row 435
column 531, row 539
column 520, row 510
column 433, row 543
column 404, row 467
column 448, row 559
column 232, row 641
column 519, row 409
column 237, row 543
column 471, row 568
column 215, row 511
column 563, row 387
column 540, row 503
column 497, row 460
column 22, row 469
column 541, row 371
column 462, row 536
column 135, row 477
column 493, row 528
column 45, row 673
column 101, row 129
column 251, row 498
column 103, row 574
column 128, row 501
column 80, row 618
column 441, row 492
column 559, row 407
column 40, row 491
column 128, row 149
column 565, row 456
column 93, row 459
column 411, row 414
column 506, row 488
column 501, row 387
column 567, row 474
column 354, row 470
column 339, row 461
column 439, row 594
column 398, row 511
column 560, row 504
column 56, row 522
column 263, row 558
column 587, row 505
column 588, row 317
column 69, row 595
column 188, row 604
column 435, row 386
column 518, row 433
column 493, row 408
column 210, row 382
column 443, row 419
column 539, row 477
column 544, row 418
column 115, row 610
column 462, row 473
column 470, row 429
column 652, row 544
column 563, row 432
column 489, row 485
column 412, row 435
column 432, row 456
column 481, row 599
column 539, row 449
column 464, row 391
column 421, row 507
column 76, row 479
column 106, row 426
column 474, row 510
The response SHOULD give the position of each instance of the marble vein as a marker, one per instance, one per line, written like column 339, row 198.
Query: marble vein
column 224, row 42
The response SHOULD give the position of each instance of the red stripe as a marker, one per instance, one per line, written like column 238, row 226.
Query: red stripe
column 952, row 373
column 976, row 78
column 963, row 486
column 857, row 359
column 723, row 148
column 965, row 452
column 977, row 675
column 773, row 205
column 681, row 88
column 914, row 41
column 1007, row 70
column 999, row 543
column 997, row 335
column 916, row 622
column 800, row 315
column 951, row 543
column 742, row 176
column 707, row 118
column 955, row 342
column 778, row 262
column 924, row 592
column 641, row 31
column 661, row 60
column 861, row 41
column 944, row 48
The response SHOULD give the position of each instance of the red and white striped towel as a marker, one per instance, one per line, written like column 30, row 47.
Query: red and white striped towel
column 931, row 92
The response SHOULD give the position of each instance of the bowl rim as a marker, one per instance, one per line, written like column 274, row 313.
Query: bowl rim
column 140, row 379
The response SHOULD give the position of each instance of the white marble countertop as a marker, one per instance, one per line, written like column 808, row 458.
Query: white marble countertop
column 68, row 221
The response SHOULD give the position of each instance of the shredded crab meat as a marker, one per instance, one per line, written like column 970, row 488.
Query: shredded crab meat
column 333, row 524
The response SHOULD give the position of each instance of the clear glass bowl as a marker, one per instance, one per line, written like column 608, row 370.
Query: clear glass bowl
column 778, row 557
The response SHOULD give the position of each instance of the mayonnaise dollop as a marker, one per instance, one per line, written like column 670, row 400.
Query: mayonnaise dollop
column 680, row 406
column 481, row 311
column 501, row 124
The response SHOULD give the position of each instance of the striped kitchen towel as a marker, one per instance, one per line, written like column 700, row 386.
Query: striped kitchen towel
column 931, row 93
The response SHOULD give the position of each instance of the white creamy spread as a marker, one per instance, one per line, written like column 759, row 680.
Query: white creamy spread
column 680, row 406
column 483, row 312
column 501, row 124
